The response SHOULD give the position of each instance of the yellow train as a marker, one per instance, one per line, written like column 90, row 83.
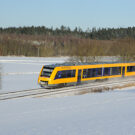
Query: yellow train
column 68, row 73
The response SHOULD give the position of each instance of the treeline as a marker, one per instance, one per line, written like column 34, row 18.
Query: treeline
column 65, row 46
column 94, row 33
column 44, row 42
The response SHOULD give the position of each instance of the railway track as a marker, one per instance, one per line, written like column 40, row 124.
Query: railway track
column 40, row 92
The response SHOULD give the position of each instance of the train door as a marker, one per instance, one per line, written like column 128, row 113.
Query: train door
column 79, row 76
column 123, row 71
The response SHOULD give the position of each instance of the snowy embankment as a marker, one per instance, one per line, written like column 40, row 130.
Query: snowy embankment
column 108, row 113
column 20, row 73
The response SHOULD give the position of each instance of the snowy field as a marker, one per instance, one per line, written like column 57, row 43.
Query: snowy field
column 108, row 113
column 21, row 73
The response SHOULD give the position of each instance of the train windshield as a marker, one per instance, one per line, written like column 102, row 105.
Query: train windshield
column 47, row 71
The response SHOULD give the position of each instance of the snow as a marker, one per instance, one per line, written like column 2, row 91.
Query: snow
column 106, row 113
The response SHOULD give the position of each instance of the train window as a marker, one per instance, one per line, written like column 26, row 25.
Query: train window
column 107, row 71
column 85, row 73
column 115, row 70
column 65, row 74
column 92, row 72
column 62, row 74
column 131, row 69
column 99, row 72
column 46, row 72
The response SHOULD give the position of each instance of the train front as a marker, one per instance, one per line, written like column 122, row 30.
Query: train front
column 44, row 78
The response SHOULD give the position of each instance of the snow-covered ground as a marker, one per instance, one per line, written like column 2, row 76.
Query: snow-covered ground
column 20, row 73
column 108, row 113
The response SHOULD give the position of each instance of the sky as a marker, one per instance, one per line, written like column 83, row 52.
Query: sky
column 72, row 13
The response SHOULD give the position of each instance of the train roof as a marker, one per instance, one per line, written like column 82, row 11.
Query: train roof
column 81, row 63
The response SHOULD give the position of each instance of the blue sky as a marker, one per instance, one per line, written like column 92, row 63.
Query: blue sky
column 72, row 13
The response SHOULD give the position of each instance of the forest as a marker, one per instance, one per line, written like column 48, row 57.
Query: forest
column 47, row 42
